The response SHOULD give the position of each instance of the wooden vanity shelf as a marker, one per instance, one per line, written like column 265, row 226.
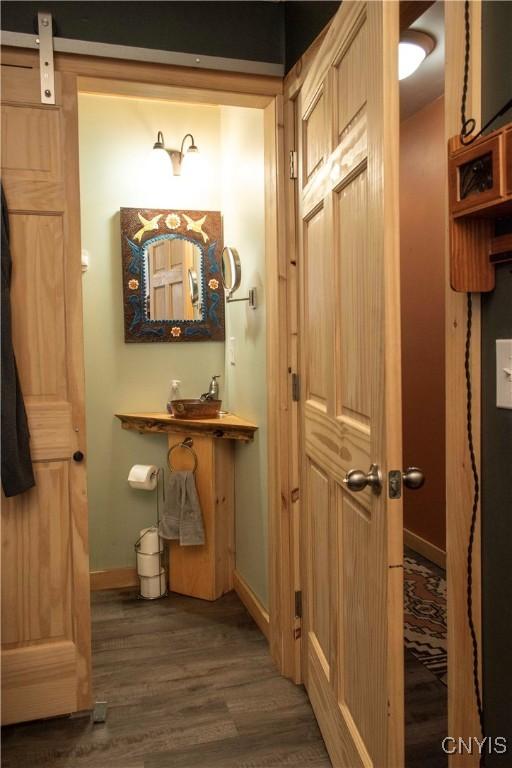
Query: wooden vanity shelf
column 228, row 427
column 480, row 191
column 203, row 571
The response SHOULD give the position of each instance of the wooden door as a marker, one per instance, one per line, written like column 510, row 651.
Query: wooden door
column 351, row 559
column 45, row 565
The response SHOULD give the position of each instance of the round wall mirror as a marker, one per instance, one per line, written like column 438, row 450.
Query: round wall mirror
column 231, row 270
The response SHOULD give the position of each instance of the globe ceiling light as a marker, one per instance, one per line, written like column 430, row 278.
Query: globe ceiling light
column 413, row 48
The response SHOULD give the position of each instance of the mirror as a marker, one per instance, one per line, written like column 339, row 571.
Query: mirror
column 172, row 275
column 231, row 270
column 170, row 291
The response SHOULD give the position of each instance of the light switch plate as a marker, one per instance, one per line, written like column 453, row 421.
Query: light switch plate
column 231, row 350
column 504, row 373
column 85, row 260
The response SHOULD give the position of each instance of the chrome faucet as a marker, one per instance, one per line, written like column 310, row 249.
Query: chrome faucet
column 213, row 389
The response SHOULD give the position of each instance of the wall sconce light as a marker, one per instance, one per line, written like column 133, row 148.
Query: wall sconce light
column 413, row 48
column 178, row 156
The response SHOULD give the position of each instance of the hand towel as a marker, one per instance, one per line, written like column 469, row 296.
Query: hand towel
column 182, row 517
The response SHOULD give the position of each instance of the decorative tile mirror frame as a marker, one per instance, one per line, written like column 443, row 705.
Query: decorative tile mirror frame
column 172, row 284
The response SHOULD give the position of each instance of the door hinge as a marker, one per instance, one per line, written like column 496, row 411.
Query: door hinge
column 293, row 164
column 295, row 387
column 298, row 604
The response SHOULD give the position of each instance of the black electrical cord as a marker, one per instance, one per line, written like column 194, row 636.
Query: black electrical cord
column 472, row 527
column 467, row 127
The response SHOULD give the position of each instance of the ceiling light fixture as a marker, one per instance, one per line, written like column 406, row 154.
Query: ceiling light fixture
column 177, row 155
column 413, row 48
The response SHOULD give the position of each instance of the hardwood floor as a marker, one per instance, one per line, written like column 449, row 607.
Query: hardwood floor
column 426, row 716
column 190, row 684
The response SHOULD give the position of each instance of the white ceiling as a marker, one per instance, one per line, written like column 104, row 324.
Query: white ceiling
column 427, row 83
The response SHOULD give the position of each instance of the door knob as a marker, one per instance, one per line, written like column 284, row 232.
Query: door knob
column 413, row 478
column 357, row 480
column 78, row 456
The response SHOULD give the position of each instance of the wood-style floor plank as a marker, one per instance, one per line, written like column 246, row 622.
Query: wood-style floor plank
column 187, row 682
column 190, row 684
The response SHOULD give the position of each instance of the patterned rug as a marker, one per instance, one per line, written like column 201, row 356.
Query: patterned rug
column 425, row 614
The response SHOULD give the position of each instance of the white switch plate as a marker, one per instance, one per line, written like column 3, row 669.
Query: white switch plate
column 504, row 373
column 231, row 350
column 85, row 260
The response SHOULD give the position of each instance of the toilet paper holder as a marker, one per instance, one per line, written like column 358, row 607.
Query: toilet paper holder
column 158, row 554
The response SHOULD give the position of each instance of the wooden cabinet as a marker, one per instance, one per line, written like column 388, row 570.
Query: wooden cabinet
column 204, row 571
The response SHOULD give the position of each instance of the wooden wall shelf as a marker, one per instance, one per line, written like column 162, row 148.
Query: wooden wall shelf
column 480, row 191
column 229, row 427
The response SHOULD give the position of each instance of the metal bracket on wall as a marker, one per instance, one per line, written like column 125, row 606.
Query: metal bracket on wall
column 45, row 42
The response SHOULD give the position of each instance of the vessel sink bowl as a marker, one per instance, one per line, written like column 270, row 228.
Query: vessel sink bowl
column 195, row 409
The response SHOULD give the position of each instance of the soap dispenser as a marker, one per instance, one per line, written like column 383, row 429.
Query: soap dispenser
column 174, row 394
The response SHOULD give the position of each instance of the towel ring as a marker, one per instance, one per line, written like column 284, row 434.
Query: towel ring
column 187, row 444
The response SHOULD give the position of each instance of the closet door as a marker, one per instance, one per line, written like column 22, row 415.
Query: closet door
column 46, row 666
column 351, row 528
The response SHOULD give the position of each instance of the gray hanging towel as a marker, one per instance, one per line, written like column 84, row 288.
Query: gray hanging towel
column 17, row 472
column 182, row 518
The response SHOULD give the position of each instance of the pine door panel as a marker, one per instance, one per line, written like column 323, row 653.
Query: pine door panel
column 351, row 553
column 45, row 566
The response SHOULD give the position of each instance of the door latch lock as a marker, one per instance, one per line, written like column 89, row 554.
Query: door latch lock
column 395, row 484
column 413, row 478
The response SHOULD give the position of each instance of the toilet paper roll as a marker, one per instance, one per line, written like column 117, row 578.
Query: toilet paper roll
column 153, row 586
column 149, row 541
column 143, row 477
column 148, row 565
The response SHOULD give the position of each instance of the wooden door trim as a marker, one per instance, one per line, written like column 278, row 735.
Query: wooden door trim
column 76, row 378
column 462, row 713
column 156, row 77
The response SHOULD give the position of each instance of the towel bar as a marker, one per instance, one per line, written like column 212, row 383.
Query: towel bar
column 187, row 445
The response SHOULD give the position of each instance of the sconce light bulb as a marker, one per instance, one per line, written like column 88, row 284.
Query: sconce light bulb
column 192, row 163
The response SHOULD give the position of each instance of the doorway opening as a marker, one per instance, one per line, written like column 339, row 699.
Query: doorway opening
column 422, row 248
column 117, row 170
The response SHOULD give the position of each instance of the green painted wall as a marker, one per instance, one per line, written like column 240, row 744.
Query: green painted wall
column 243, row 197
column 116, row 136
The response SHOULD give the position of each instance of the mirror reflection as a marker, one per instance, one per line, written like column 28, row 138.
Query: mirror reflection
column 173, row 280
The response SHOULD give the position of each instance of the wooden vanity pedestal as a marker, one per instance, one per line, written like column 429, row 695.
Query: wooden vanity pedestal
column 203, row 571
